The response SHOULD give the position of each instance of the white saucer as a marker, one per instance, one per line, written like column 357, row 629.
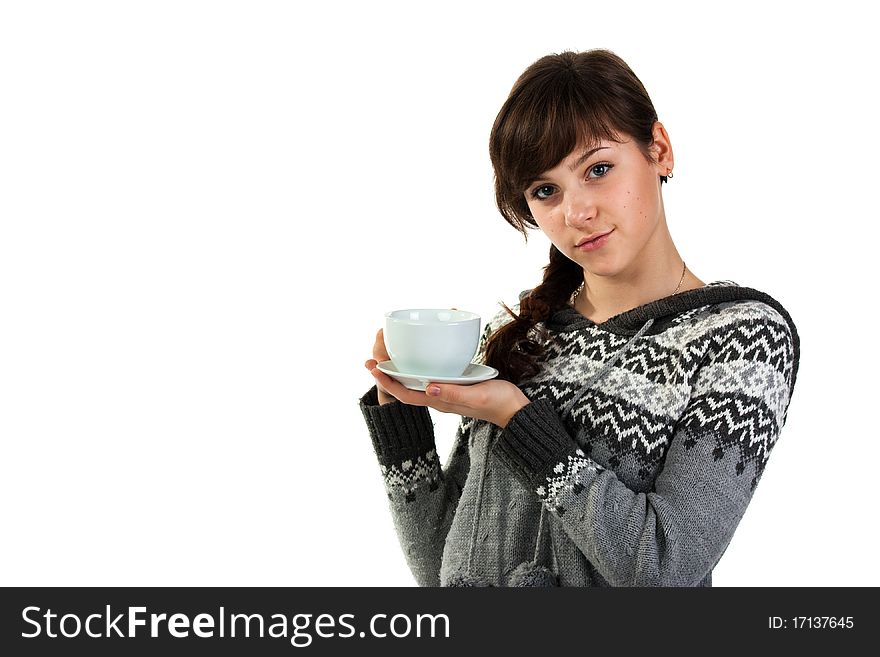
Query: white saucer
column 473, row 374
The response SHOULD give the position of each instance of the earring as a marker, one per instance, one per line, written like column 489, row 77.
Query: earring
column 669, row 175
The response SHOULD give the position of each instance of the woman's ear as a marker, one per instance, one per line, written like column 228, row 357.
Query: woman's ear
column 661, row 149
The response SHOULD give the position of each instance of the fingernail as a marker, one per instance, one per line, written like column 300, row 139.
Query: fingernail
column 434, row 391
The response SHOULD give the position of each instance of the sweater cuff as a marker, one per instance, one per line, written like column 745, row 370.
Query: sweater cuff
column 400, row 432
column 538, row 449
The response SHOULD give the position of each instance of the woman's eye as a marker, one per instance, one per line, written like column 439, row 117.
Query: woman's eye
column 600, row 170
column 542, row 192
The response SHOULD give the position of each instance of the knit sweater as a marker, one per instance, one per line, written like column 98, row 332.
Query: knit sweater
column 632, row 465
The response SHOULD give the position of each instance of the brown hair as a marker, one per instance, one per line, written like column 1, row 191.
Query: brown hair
column 560, row 102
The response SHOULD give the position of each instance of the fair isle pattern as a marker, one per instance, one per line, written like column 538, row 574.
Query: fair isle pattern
column 565, row 475
column 742, row 397
column 403, row 479
column 465, row 426
column 725, row 367
column 689, row 315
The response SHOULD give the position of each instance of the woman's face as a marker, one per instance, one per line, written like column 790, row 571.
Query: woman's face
column 613, row 190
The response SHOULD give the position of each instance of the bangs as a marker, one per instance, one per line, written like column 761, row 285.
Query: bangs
column 547, row 123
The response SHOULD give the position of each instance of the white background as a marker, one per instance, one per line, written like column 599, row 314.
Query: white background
column 207, row 207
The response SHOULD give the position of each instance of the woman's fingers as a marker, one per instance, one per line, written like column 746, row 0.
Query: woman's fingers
column 387, row 382
column 398, row 390
column 379, row 351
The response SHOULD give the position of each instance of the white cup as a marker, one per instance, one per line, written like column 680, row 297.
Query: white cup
column 432, row 341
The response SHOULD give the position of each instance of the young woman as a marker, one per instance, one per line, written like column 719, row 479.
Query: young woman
column 636, row 406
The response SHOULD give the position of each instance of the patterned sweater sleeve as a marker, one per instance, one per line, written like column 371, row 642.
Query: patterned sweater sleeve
column 423, row 496
column 674, row 534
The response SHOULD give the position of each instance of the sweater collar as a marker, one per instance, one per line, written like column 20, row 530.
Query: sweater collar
column 629, row 322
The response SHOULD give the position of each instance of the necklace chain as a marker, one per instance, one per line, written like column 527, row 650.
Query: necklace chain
column 678, row 287
column 681, row 280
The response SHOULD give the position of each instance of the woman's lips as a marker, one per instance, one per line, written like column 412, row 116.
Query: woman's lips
column 596, row 243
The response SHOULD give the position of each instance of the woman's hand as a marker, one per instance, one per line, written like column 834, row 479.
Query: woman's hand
column 380, row 355
column 495, row 401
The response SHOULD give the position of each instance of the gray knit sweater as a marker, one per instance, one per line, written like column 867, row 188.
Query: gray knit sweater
column 632, row 465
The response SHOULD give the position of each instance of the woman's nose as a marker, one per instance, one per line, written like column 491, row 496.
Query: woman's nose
column 579, row 208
